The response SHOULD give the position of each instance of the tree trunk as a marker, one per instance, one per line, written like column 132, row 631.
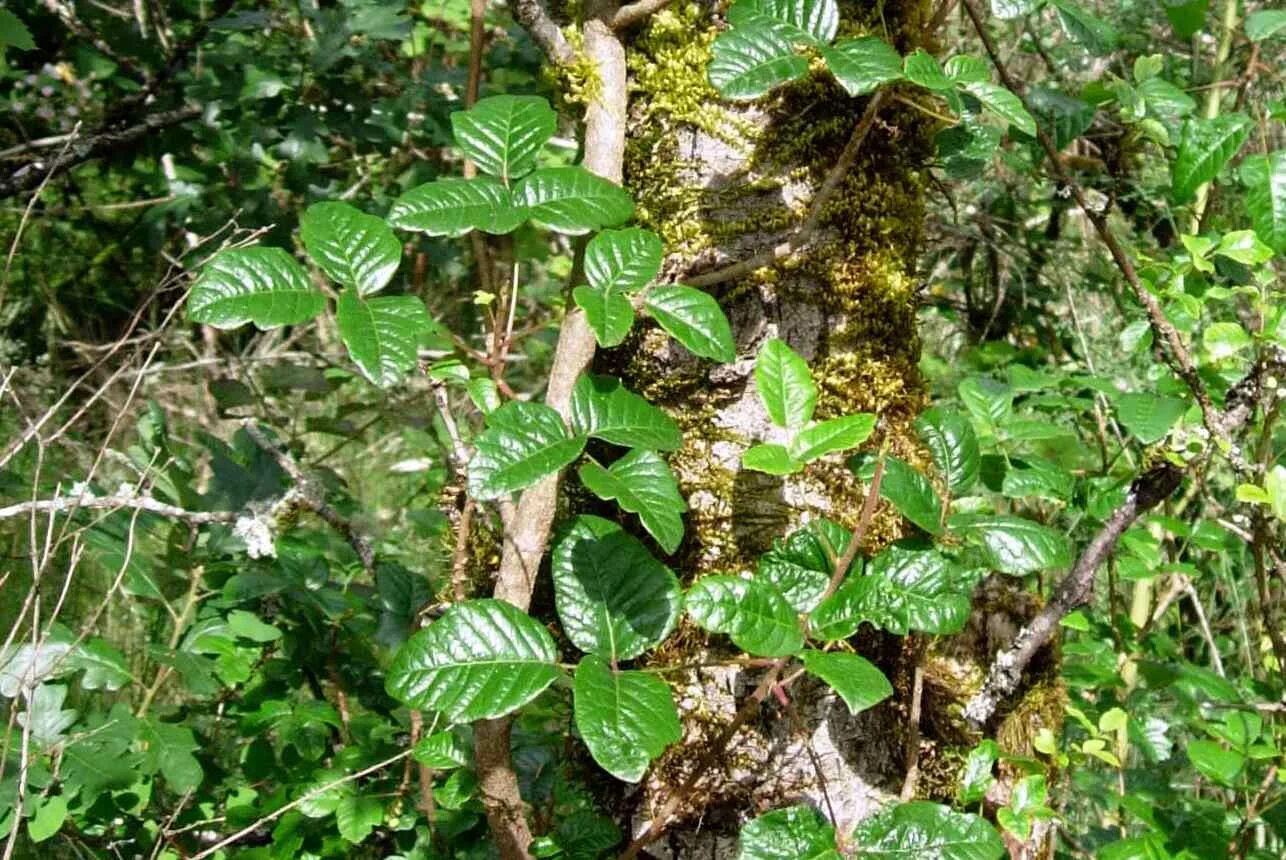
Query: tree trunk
column 721, row 182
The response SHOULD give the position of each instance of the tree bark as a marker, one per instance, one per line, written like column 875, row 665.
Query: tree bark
column 722, row 183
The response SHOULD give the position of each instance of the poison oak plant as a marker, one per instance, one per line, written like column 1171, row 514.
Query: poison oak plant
column 1046, row 590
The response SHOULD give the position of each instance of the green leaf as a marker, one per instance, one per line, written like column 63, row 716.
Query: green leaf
column 1093, row 34
column 862, row 65
column 441, row 751
column 753, row 613
column 859, row 683
column 923, row 69
column 1205, row 146
column 837, row 434
column 168, row 748
column 623, row 260
column 45, row 717
column 105, row 667
column 800, row 566
column 976, row 777
column 609, row 313
column 1223, row 340
column 625, row 718
column 1265, row 179
column 1265, row 24
column 951, row 441
column 793, row 833
column 785, row 385
column 261, row 285
column 928, row 831
column 482, row 659
column 1187, row 17
column 1015, row 545
column 453, row 207
column 964, row 69
column 1149, row 417
column 1003, row 104
column 810, row 22
column 504, row 134
column 908, row 490
column 572, row 200
column 1066, row 117
column 1244, row 247
column 771, row 459
column 694, row 319
column 49, row 818
column 1034, row 477
column 604, row 408
column 902, row 590
column 382, row 334
column 613, row 598
column 987, row 399
column 641, row 483
column 1275, row 489
column 14, row 33
column 1214, row 762
column 356, row 815
column 523, row 443
column 1165, row 99
column 751, row 59
column 356, row 249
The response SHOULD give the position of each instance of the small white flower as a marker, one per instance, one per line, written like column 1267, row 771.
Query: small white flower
column 256, row 534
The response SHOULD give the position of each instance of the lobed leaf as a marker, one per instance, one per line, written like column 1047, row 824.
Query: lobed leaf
column 605, row 409
column 641, row 483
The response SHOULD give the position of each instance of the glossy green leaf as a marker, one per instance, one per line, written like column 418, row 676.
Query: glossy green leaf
column 827, row 437
column 453, row 207
column 504, row 134
column 987, row 399
column 1165, row 99
column 964, row 69
column 1034, row 477
column 785, row 385
column 976, row 777
column 356, row 249
column 1149, row 417
column 523, row 443
column 357, row 815
column 751, row 59
column 922, row 68
column 908, row 490
column 572, row 200
column 441, row 751
column 613, row 598
column 694, row 319
column 1003, row 104
column 1265, row 24
column 1215, row 762
column 857, row 680
column 801, row 565
column 1205, row 146
column 609, row 313
column 641, row 483
column 954, row 446
column 1264, row 177
column 482, row 659
column 1090, row 32
column 793, row 833
column 626, row 719
column 903, row 589
column 928, row 831
column 810, row 22
column 604, row 408
column 752, row 612
column 1015, row 545
column 771, row 459
column 261, row 285
column 623, row 260
column 382, row 334
column 862, row 65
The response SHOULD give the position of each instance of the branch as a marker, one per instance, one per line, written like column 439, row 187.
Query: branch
column 310, row 497
column 1148, row 490
column 535, row 19
column 30, row 175
column 116, row 502
column 803, row 235
column 636, row 12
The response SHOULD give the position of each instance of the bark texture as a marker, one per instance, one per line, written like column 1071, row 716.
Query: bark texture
column 720, row 183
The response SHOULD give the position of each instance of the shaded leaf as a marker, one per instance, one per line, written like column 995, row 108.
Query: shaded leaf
column 641, row 483
column 1091, row 33
column 1205, row 146
column 859, row 683
column 951, row 441
column 625, row 718
column 800, row 566
column 1149, row 416
column 1265, row 179
column 382, row 334
column 902, row 590
column 908, row 490
column 604, row 408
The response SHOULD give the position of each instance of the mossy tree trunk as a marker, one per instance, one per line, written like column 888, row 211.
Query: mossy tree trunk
column 720, row 182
